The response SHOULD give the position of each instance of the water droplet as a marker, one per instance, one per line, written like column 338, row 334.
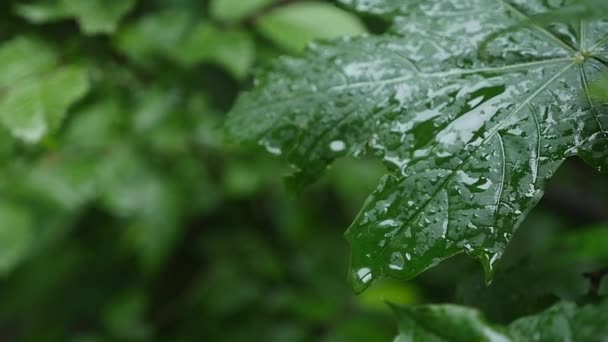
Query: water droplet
column 276, row 150
column 337, row 146
column 488, row 260
column 365, row 275
column 531, row 191
column 397, row 262
column 389, row 223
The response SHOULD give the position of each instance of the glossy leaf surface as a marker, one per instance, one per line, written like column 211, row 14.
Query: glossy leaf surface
column 471, row 107
column 562, row 322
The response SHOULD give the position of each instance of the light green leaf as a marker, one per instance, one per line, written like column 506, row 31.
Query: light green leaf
column 562, row 322
column 235, row 10
column 36, row 92
column 232, row 49
column 93, row 16
column 154, row 34
column 293, row 26
column 177, row 36
column 15, row 236
column 471, row 112
column 40, row 13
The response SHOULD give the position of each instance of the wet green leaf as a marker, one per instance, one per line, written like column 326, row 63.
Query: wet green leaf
column 35, row 89
column 562, row 322
column 471, row 112
column 600, row 87
column 577, row 10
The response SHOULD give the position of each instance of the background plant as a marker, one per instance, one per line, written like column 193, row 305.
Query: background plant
column 125, row 216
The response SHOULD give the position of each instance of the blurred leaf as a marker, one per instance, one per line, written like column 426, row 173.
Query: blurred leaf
column 562, row 322
column 155, row 34
column 390, row 291
column 588, row 244
column 293, row 26
column 178, row 36
column 124, row 317
column 234, row 50
column 35, row 91
column 235, row 10
column 16, row 235
column 63, row 181
column 93, row 16
column 41, row 12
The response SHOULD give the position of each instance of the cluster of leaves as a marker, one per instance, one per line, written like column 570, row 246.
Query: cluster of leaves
column 124, row 216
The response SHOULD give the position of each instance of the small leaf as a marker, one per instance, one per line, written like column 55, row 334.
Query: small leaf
column 235, row 10
column 177, row 36
column 155, row 34
column 93, row 16
column 562, row 322
column 293, row 26
column 232, row 49
column 40, row 13
column 35, row 92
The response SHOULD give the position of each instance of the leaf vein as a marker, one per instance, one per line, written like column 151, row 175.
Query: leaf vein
column 592, row 108
column 502, row 181
column 490, row 135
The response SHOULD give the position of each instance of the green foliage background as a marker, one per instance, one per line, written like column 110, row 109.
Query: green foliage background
column 125, row 215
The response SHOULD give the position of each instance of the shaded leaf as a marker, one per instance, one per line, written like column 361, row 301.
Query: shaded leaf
column 154, row 34
column 235, row 10
column 471, row 113
column 93, row 16
column 234, row 50
column 177, row 36
column 15, row 235
column 562, row 322
column 577, row 10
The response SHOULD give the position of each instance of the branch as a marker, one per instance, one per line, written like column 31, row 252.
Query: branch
column 595, row 278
